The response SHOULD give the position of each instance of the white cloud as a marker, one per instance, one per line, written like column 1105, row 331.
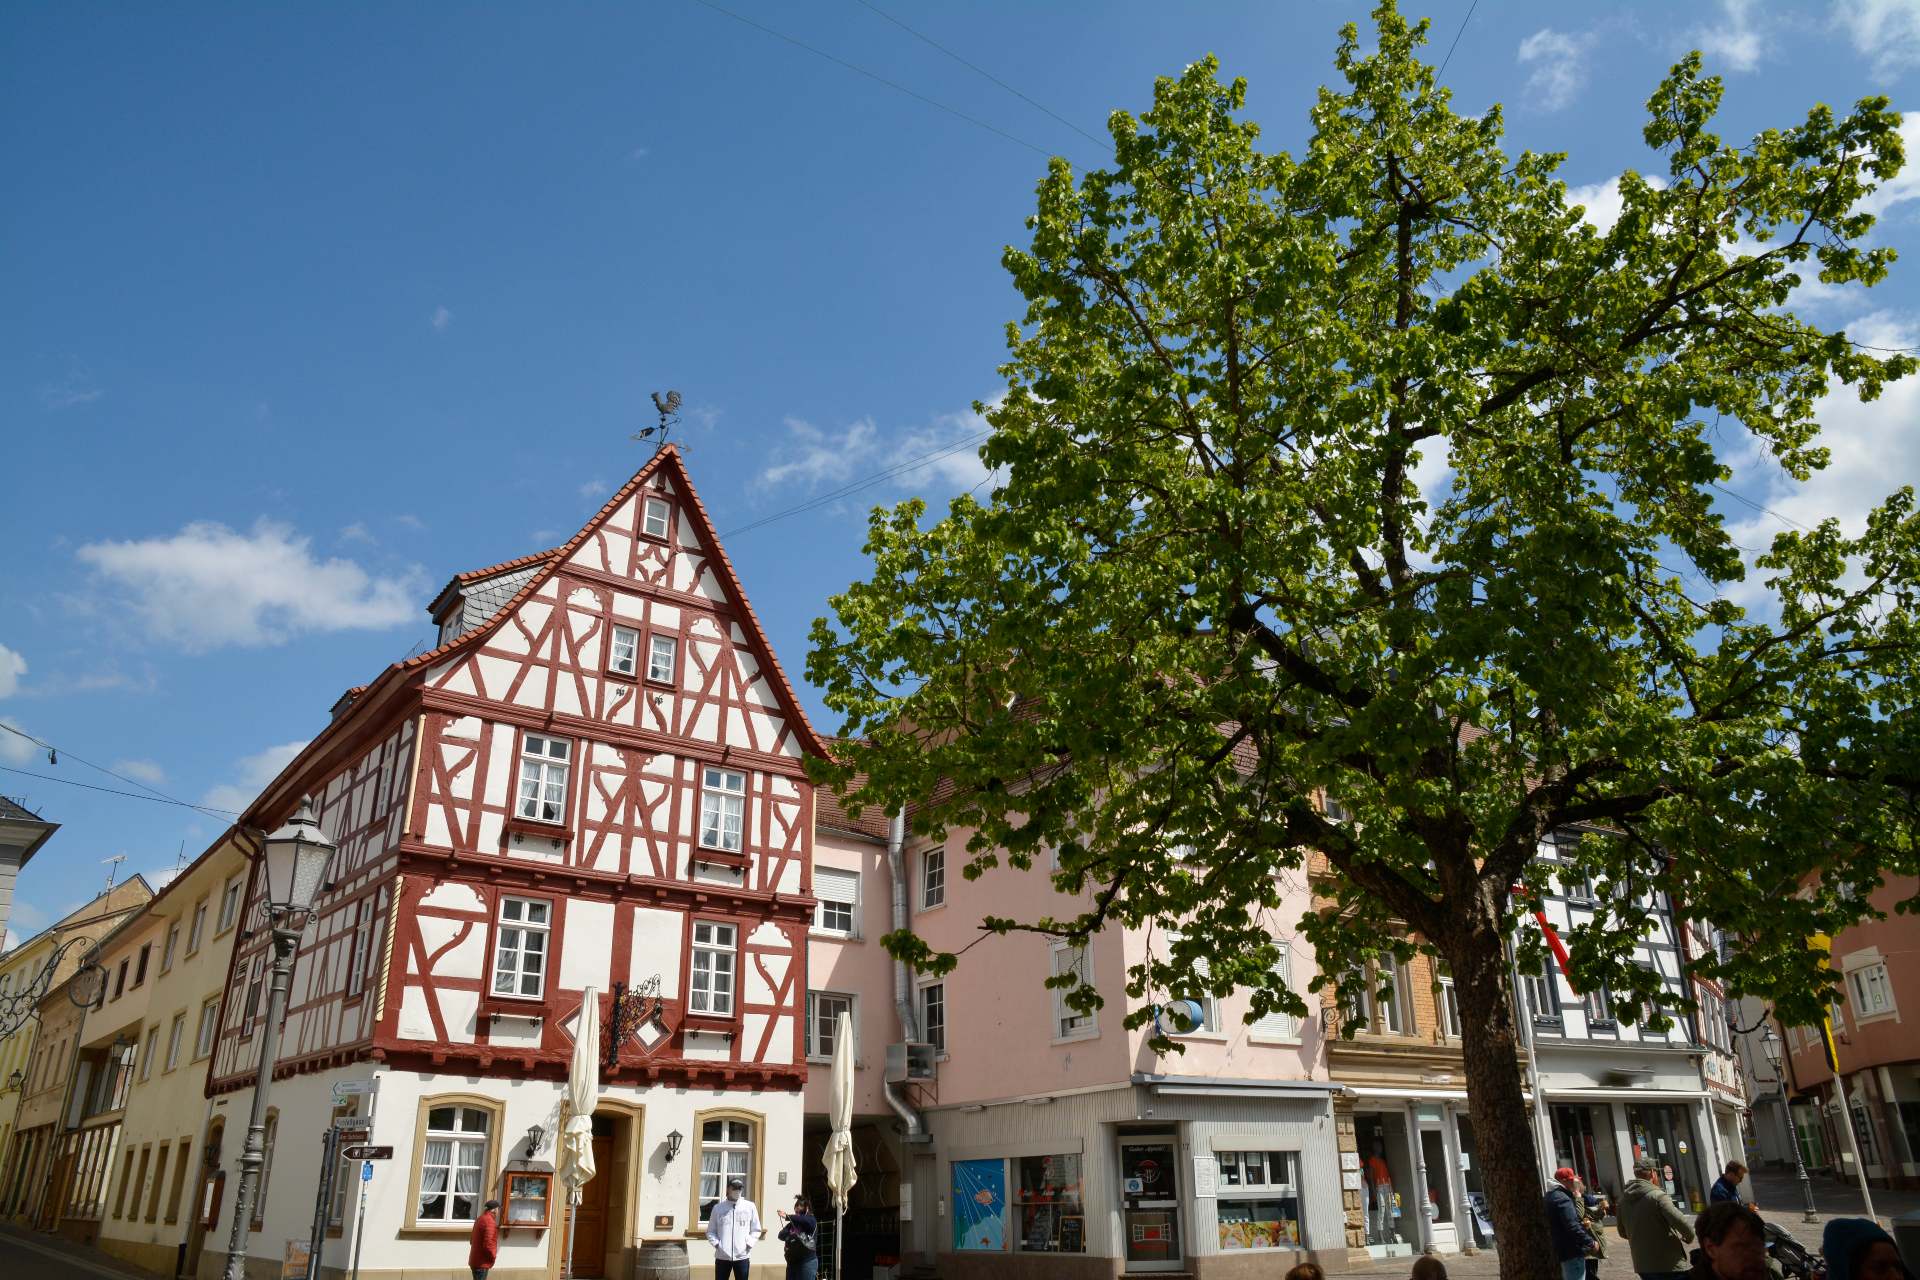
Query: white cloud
column 1885, row 31
column 207, row 586
column 595, row 490
column 944, row 454
column 1736, row 43
column 69, row 394
column 441, row 319
column 358, row 532
column 406, row 521
column 1906, row 184
column 1559, row 62
column 161, row 877
column 15, row 749
column 12, row 667
column 141, row 771
column 250, row 775
column 816, row 458
column 24, row 921
column 1603, row 201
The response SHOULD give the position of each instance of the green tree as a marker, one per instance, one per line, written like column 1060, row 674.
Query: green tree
column 1209, row 590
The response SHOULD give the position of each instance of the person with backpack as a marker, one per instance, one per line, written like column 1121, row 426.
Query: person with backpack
column 802, row 1236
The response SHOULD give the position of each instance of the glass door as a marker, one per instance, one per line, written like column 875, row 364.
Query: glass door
column 1150, row 1203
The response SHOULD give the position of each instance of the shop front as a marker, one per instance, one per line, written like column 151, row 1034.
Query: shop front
column 1418, row 1174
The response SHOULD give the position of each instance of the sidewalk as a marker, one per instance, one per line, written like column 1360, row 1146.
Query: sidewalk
column 1778, row 1195
column 45, row 1257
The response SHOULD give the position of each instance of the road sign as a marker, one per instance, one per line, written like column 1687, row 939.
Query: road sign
column 347, row 1088
column 366, row 1172
column 353, row 1124
column 367, row 1153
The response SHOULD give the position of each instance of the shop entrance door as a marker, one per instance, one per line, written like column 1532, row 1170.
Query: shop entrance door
column 1150, row 1203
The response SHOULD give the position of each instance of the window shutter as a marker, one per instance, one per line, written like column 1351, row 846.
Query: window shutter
column 1279, row 1024
column 836, row 886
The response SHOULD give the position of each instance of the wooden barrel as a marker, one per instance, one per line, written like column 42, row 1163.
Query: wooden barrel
column 660, row 1260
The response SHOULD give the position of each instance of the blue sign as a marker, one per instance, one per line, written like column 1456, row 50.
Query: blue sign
column 366, row 1171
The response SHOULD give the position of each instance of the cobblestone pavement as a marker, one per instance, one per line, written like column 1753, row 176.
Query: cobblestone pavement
column 30, row 1254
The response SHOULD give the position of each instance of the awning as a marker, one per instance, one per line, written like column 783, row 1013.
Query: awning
column 1625, row 1095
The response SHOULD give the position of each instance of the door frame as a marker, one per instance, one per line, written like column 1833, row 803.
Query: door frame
column 623, row 1200
column 1181, row 1213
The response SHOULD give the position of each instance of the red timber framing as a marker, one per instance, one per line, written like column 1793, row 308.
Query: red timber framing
column 420, row 781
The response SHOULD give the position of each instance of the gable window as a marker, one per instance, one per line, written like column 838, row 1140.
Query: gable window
column 199, row 927
column 453, row 1162
column 230, row 904
column 623, row 655
column 1259, row 1200
column 933, row 879
column 661, row 654
column 712, row 970
column 173, row 945
column 209, row 1024
column 723, row 809
column 839, row 899
column 823, row 1023
column 1279, row 1025
column 543, row 778
column 1872, row 990
column 1069, row 1022
column 933, row 1015
column 654, row 521
column 520, row 954
column 726, row 1151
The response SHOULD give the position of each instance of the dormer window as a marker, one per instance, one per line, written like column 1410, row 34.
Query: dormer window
column 543, row 778
column 654, row 521
column 624, row 655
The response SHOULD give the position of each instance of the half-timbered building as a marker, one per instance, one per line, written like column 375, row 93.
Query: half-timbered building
column 593, row 782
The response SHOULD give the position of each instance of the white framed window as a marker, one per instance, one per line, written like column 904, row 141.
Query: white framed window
column 1599, row 1007
column 713, row 968
column 230, row 904
column 1396, row 1014
column 933, row 879
column 452, row 1165
column 1279, row 1025
column 662, row 659
column 1208, row 1002
column 623, row 651
column 172, row 946
column 823, row 1023
column 198, row 930
column 1258, row 1200
column 1543, row 1001
column 1449, row 1002
column 209, row 1026
column 1069, row 1022
column 837, row 910
column 252, row 1010
column 153, row 1051
column 726, row 1151
column 933, row 1016
column 723, row 809
column 543, row 778
column 655, row 517
column 1872, row 990
column 176, row 1036
column 520, row 950
column 358, row 946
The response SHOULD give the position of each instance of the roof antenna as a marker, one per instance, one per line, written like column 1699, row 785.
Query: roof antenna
column 113, row 865
column 668, row 404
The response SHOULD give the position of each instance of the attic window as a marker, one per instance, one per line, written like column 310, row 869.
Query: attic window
column 655, row 521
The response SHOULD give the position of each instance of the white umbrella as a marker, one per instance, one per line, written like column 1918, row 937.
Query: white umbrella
column 841, row 1173
column 583, row 1093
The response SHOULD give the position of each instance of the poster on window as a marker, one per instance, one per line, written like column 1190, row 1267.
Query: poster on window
column 979, row 1205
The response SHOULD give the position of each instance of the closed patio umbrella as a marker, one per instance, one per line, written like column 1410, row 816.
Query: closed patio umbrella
column 583, row 1094
column 841, row 1173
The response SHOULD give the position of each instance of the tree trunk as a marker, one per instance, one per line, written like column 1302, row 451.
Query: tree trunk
column 1476, row 952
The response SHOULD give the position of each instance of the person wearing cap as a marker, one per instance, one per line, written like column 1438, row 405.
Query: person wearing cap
column 1858, row 1249
column 733, row 1228
column 1571, row 1241
column 1656, row 1231
column 484, row 1247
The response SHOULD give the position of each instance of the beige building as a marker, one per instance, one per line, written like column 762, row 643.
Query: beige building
column 168, row 1148
column 38, row 1022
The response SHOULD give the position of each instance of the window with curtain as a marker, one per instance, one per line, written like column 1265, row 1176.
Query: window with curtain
column 723, row 809
column 453, row 1165
column 726, row 1151
column 711, row 981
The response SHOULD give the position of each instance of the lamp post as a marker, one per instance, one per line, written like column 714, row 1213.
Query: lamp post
column 295, row 860
column 1776, row 1054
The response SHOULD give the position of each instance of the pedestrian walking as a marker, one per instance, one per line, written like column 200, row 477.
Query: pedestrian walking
column 1592, row 1217
column 1571, row 1241
column 1858, row 1249
column 483, row 1245
column 1727, row 1186
column 1733, row 1244
column 732, row 1229
column 801, row 1233
column 1656, row 1231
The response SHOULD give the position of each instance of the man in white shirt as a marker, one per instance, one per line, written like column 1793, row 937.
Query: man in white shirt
column 732, row 1229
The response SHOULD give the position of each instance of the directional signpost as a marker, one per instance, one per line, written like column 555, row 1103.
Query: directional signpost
column 367, row 1153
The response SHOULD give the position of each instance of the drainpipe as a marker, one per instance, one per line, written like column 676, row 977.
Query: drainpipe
column 902, row 988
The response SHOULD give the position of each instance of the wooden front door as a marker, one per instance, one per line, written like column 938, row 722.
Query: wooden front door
column 590, row 1218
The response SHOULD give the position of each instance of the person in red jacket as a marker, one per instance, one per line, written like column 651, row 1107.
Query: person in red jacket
column 486, row 1241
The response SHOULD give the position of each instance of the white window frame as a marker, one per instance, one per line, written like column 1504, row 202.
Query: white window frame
column 197, row 931
column 231, row 895
column 1237, row 1165
column 357, row 949
column 933, row 878
column 1394, row 1016
column 543, row 770
column 1069, row 1023
column 716, row 1151
column 1871, row 988
column 153, row 1051
column 1278, row 1027
column 823, row 1011
column 649, row 508
column 208, row 1030
column 459, row 1140
column 723, row 794
column 929, row 995
column 661, row 671
column 1450, row 1027
column 518, row 922
column 830, row 886
column 169, row 948
column 176, row 1035
column 623, row 651
column 714, row 956
column 1597, row 1004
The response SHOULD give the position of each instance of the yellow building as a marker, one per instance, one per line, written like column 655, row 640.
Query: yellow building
column 28, row 973
column 167, row 1155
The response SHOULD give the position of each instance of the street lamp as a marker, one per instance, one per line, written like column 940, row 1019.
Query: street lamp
column 1776, row 1054
column 294, row 860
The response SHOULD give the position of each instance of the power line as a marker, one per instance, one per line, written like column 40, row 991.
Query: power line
column 209, row 810
column 1737, row 497
column 867, row 482
column 895, row 85
column 1038, row 106
column 53, row 754
column 1456, row 39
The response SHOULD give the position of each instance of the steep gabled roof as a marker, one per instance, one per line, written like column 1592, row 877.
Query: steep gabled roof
column 471, row 576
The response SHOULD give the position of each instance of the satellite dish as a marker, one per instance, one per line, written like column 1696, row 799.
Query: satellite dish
column 1179, row 1018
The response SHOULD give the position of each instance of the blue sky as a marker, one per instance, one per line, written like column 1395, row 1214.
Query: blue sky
column 308, row 309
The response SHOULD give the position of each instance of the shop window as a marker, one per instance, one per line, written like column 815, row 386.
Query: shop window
column 837, row 909
column 520, row 954
column 1259, row 1200
column 1069, row 1022
column 823, row 1023
column 1052, row 1219
column 450, row 1175
column 725, row 1151
column 711, row 991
